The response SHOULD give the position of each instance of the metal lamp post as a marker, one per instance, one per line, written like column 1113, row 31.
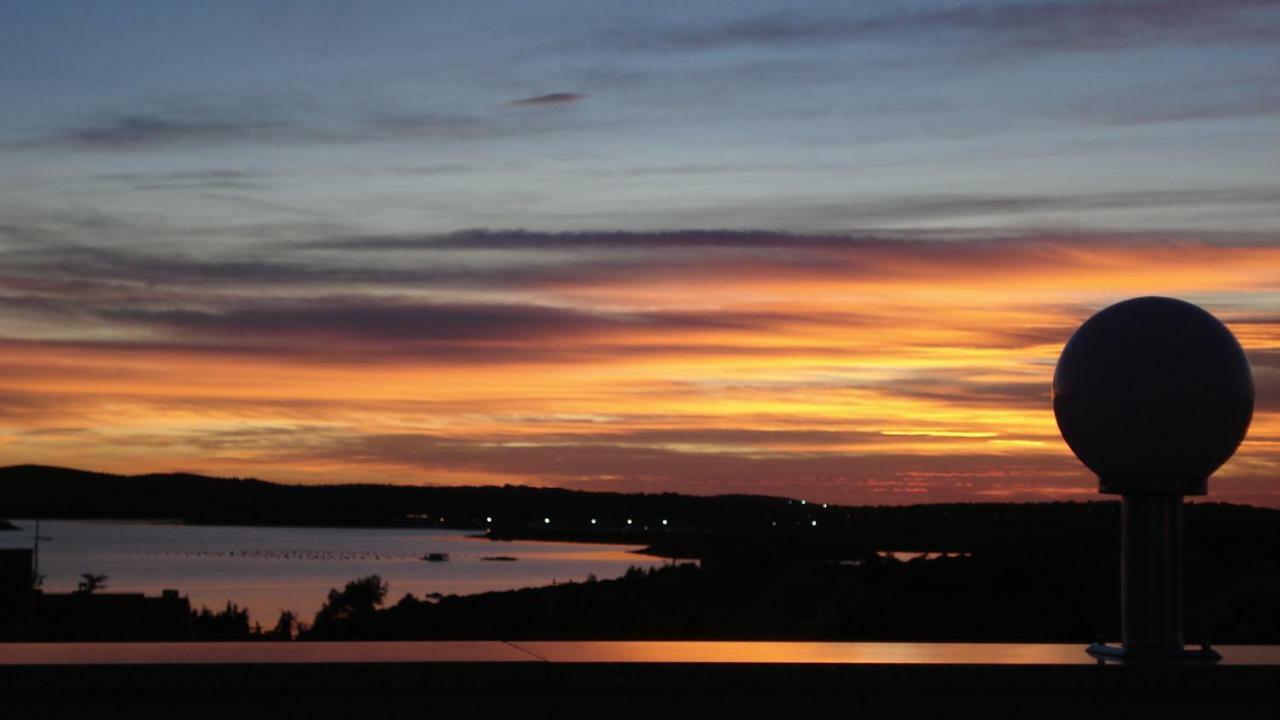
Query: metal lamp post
column 1153, row 395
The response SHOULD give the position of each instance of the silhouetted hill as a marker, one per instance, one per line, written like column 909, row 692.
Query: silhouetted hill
column 736, row 527
column 52, row 492
column 6, row 525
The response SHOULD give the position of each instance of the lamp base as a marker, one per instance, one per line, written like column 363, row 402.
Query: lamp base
column 1122, row 655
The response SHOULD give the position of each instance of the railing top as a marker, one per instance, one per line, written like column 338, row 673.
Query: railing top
column 677, row 652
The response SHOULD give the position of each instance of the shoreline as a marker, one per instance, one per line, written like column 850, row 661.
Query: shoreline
column 648, row 543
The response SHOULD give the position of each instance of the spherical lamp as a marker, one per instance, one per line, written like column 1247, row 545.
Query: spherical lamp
column 1153, row 395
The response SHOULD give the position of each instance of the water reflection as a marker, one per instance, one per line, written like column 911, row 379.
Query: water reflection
column 908, row 555
column 270, row 569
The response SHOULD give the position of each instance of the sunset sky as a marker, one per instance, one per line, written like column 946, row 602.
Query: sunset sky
column 822, row 250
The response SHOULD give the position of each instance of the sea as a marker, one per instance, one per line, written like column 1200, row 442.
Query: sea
column 270, row 569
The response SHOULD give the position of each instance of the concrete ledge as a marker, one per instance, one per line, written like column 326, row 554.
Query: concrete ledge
column 541, row 679
column 508, row 676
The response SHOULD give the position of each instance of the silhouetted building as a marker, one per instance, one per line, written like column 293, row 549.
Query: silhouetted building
column 16, row 581
column 30, row 614
column 108, row 617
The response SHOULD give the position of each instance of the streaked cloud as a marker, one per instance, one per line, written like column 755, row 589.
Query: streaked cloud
column 853, row 367
column 1039, row 26
column 555, row 98
column 1256, row 99
column 139, row 131
column 366, row 320
column 198, row 127
column 218, row 179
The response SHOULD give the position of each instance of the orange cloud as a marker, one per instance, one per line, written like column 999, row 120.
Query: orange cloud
column 836, row 368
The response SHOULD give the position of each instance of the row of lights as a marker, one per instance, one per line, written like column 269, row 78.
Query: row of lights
column 547, row 521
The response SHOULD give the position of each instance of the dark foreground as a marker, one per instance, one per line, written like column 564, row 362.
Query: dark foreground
column 559, row 679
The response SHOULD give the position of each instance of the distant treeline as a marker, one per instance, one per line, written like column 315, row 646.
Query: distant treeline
column 1036, row 573
column 954, row 599
column 732, row 526
column 1230, row 599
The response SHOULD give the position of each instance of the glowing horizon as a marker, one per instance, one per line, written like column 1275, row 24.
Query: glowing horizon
column 829, row 253
column 918, row 380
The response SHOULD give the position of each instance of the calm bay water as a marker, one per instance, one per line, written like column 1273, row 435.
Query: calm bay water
column 269, row 569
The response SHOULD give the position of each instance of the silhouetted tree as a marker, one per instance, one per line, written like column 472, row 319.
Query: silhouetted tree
column 91, row 583
column 230, row 624
column 359, row 598
column 286, row 626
